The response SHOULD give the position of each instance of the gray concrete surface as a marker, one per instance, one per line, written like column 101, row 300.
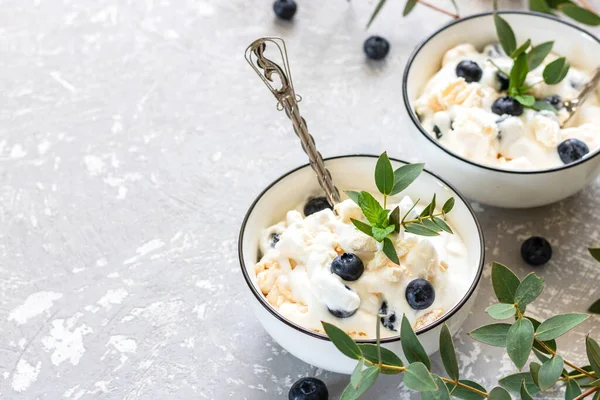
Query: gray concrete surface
column 133, row 137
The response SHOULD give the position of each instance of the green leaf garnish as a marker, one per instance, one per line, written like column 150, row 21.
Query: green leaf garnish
column 442, row 224
column 363, row 227
column 529, row 289
column 352, row 195
column 410, row 4
column 518, row 74
column 356, row 376
column 595, row 308
column 520, row 341
column 534, row 370
column 573, row 389
column 550, row 372
column 538, row 54
column 501, row 311
column 381, row 233
column 369, row 206
column 413, row 349
column 406, row 175
column 395, row 219
column 493, row 334
column 521, row 49
column 524, row 393
column 448, row 353
column 595, row 253
column 558, row 325
column 342, row 341
column 556, row 71
column 506, row 36
column 384, row 175
column 513, row 382
column 367, row 377
column 448, row 205
column 540, row 6
column 537, row 346
column 464, row 393
column 441, row 393
column 505, row 283
column 580, row 14
column 418, row 228
column 541, row 105
column 417, row 377
column 499, row 393
column 388, row 357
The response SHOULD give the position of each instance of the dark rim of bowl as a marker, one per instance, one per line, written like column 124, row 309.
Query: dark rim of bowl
column 262, row 300
column 415, row 119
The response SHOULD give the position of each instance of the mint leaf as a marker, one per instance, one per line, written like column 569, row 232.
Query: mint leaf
column 580, row 14
column 376, row 12
column 406, row 175
column 384, row 219
column 448, row 353
column 412, row 348
column 417, row 377
column 558, row 325
column 370, row 207
column 361, row 226
column 384, row 174
column 525, row 99
column 501, row 311
column 381, row 233
column 505, row 283
column 493, row 334
column 342, row 341
column 529, row 289
column 390, row 251
column 538, row 54
column 506, row 36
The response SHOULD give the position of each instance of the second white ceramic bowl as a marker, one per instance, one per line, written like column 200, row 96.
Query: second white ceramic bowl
column 485, row 184
column 349, row 172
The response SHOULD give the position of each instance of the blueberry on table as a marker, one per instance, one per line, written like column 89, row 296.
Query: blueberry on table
column 420, row 294
column 507, row 105
column 572, row 150
column 555, row 101
column 504, row 80
column 347, row 266
column 389, row 319
column 536, row 251
column 438, row 133
column 469, row 70
column 316, row 204
column 308, row 389
column 285, row 9
column 376, row 47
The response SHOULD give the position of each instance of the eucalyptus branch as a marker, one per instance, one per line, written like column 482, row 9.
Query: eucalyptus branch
column 587, row 393
column 436, row 8
column 570, row 364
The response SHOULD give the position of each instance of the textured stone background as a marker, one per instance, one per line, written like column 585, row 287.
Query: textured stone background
column 133, row 137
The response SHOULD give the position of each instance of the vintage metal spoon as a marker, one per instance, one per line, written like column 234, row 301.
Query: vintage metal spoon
column 573, row 105
column 288, row 101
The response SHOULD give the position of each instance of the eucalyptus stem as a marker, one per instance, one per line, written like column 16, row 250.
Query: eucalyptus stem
column 585, row 4
column 569, row 377
column 436, row 8
column 404, row 223
column 457, row 383
column 587, row 393
column 570, row 364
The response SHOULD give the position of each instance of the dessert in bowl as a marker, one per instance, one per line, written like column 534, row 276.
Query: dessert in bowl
column 306, row 269
column 491, row 147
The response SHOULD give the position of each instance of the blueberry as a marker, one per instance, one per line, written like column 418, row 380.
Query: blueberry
column 420, row 294
column 536, row 251
column 376, row 47
column 389, row 319
column 503, row 79
column 316, row 204
column 507, row 105
column 308, row 389
column 348, row 267
column 572, row 150
column 274, row 239
column 469, row 70
column 438, row 133
column 342, row 313
column 285, row 9
column 555, row 101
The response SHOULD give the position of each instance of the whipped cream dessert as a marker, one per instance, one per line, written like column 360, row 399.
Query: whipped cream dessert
column 302, row 272
column 459, row 108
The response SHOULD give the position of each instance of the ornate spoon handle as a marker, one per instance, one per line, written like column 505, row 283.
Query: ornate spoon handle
column 288, row 101
column 573, row 105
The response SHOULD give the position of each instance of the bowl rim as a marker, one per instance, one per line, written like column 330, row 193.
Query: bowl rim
column 262, row 300
column 417, row 123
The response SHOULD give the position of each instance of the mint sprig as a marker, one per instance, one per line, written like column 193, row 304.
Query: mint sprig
column 525, row 59
column 383, row 223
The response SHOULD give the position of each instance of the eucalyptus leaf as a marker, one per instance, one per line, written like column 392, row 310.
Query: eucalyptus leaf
column 505, row 283
column 448, row 205
column 538, row 54
column 356, row 376
column 441, row 393
column 363, row 227
column 529, row 289
column 390, row 251
column 405, row 175
column 550, row 372
column 519, row 342
column 388, row 357
column 369, row 206
column 442, row 224
column 573, row 389
column 524, row 393
column 368, row 377
column 409, row 211
column 558, row 325
column 501, row 311
column 395, row 219
column 534, row 371
column 518, row 74
column 352, row 195
column 593, row 352
column 342, row 341
column 580, row 14
column 595, row 308
column 412, row 348
column 521, row 49
column 537, row 346
column 376, row 12
column 455, row 6
column 410, row 4
column 543, row 105
column 553, row 71
column 417, row 228
column 448, row 353
column 540, row 6
column 417, row 377
column 430, row 224
column 466, row 394
column 384, row 174
column 513, row 382
column 595, row 253
column 493, row 334
column 499, row 393
column 506, row 36
column 381, row 233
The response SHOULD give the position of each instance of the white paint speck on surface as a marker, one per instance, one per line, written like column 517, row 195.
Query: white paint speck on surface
column 122, row 344
column 217, row 156
column 102, row 262
column 200, row 310
column 62, row 82
column 66, row 344
column 43, row 147
column 25, row 374
column 113, row 296
column 34, row 305
column 17, row 152
column 144, row 249
column 94, row 164
column 204, row 284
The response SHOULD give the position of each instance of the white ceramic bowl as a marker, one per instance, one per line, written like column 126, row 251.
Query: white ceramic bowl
column 490, row 185
column 349, row 172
